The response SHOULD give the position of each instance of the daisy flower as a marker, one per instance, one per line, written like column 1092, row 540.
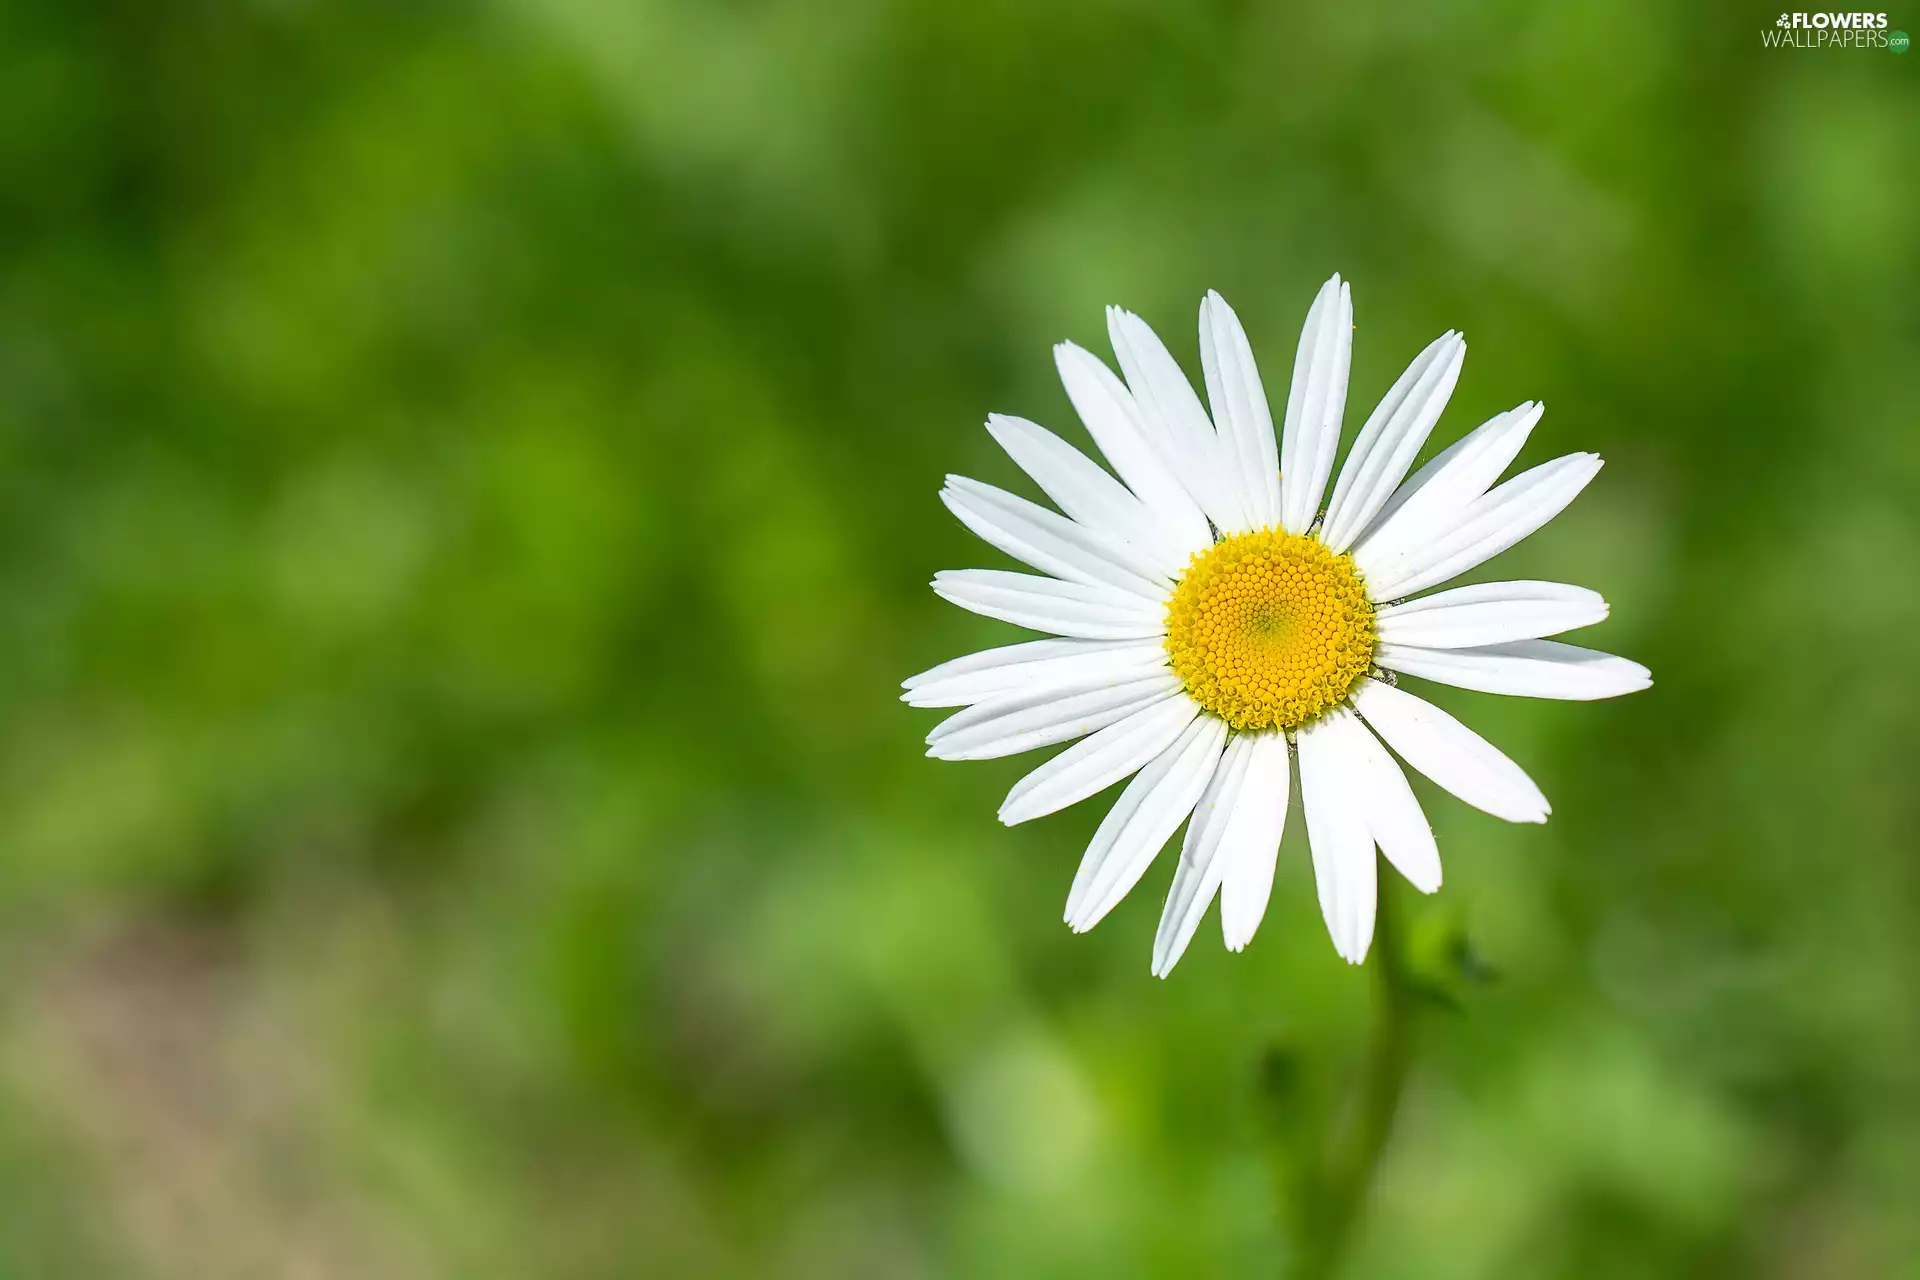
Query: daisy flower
column 1212, row 621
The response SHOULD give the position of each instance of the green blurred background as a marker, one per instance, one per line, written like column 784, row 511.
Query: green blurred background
column 466, row 502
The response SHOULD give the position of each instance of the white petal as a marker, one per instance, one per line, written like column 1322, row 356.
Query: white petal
column 1113, row 420
column 1393, row 812
column 1097, row 762
column 1388, row 443
column 1048, row 604
column 1173, row 418
column 1147, row 812
column 1086, row 492
column 1032, row 664
column 1442, row 489
column 1037, row 664
column 1489, row 613
column 1019, row 722
column 1343, row 865
column 1523, row 668
column 1316, row 402
column 1489, row 526
column 1049, row 541
column 1240, row 413
column 1197, row 877
column 1253, row 841
column 1451, row 754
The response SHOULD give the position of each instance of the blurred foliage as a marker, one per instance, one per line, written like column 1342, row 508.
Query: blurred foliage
column 466, row 498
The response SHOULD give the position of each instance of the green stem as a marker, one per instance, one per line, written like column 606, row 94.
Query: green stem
column 1334, row 1203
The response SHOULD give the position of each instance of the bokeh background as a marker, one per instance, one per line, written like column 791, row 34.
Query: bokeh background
column 467, row 489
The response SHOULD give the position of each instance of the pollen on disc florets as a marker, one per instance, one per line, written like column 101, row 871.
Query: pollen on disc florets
column 1269, row 629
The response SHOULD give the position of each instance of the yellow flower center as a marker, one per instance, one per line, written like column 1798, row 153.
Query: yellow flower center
column 1269, row 629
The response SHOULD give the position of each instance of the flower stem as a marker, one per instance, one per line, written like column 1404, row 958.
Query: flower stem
column 1334, row 1200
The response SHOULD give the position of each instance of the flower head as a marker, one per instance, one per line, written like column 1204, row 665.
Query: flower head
column 1212, row 622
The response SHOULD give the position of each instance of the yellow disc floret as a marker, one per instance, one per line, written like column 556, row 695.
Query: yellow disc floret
column 1269, row 629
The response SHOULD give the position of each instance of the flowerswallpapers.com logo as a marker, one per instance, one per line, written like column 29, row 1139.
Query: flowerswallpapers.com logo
column 1833, row 31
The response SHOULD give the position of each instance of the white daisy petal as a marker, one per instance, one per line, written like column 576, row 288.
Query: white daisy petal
column 1197, row 877
column 1082, row 489
column 1012, row 655
column 1240, row 413
column 1048, row 540
column 1017, row 722
column 1147, row 812
column 1522, row 668
column 1230, row 847
column 1393, row 811
column 1392, row 436
column 1487, row 527
column 1442, row 489
column 1112, row 418
column 1452, row 755
column 1048, row 604
column 1173, row 417
column 1489, row 613
column 1253, row 841
column 1316, row 401
column 1097, row 762
column 1034, row 665
column 1343, row 865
